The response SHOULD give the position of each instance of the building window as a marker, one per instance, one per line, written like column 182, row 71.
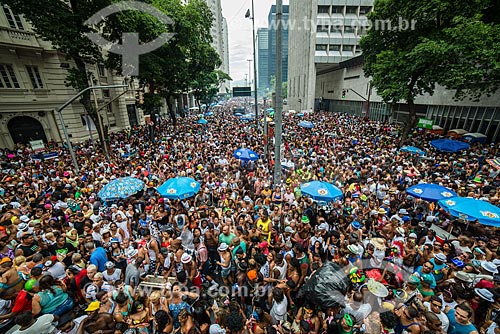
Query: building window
column 323, row 9
column 334, row 47
column 321, row 47
column 102, row 70
column 337, row 29
column 362, row 31
column 13, row 19
column 36, row 79
column 347, row 48
column 349, row 30
column 106, row 93
column 351, row 10
column 338, row 9
column 8, row 77
column 363, row 10
column 322, row 28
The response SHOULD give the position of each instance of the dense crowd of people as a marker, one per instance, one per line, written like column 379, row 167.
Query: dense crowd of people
column 237, row 255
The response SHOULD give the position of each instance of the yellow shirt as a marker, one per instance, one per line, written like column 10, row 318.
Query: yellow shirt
column 264, row 226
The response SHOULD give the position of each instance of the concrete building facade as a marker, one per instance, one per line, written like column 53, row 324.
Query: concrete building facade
column 328, row 32
column 482, row 116
column 32, row 86
column 220, row 40
column 263, row 60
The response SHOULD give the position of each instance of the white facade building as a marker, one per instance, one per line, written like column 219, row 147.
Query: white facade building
column 328, row 32
column 32, row 86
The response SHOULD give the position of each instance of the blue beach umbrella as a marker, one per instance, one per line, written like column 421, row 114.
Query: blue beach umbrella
column 245, row 154
column 321, row 191
column 431, row 192
column 300, row 114
column 202, row 121
column 179, row 188
column 472, row 209
column 412, row 150
column 238, row 114
column 120, row 188
column 449, row 145
column 306, row 124
column 210, row 113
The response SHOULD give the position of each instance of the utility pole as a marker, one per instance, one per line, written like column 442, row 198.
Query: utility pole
column 101, row 127
column 255, row 66
column 266, row 133
column 279, row 93
column 63, row 125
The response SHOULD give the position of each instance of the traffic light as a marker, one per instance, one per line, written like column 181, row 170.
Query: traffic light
column 344, row 91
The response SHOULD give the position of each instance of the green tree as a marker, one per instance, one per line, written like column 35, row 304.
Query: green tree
column 415, row 45
column 61, row 23
column 206, row 86
column 169, row 70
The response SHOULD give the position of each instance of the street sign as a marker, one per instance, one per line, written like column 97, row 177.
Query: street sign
column 37, row 145
column 425, row 123
column 242, row 91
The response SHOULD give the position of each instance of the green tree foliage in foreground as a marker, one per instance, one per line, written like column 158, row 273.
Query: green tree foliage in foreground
column 167, row 71
column 413, row 46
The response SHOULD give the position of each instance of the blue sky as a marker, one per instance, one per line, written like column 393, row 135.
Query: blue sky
column 240, row 32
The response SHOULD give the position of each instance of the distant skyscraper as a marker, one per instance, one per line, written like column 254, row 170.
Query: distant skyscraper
column 225, row 56
column 263, row 60
column 272, row 26
column 219, row 34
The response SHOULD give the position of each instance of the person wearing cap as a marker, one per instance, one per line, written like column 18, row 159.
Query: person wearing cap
column 96, row 322
column 225, row 262
column 191, row 269
column 111, row 274
column 488, row 270
column 9, row 276
column 440, row 270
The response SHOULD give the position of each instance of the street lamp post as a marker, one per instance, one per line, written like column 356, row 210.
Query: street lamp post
column 278, row 115
column 63, row 125
column 247, row 15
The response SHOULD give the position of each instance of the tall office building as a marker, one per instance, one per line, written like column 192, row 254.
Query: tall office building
column 326, row 32
column 272, row 26
column 225, row 58
column 263, row 81
column 219, row 34
column 326, row 60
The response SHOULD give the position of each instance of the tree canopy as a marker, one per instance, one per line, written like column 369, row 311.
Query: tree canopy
column 413, row 46
column 167, row 71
